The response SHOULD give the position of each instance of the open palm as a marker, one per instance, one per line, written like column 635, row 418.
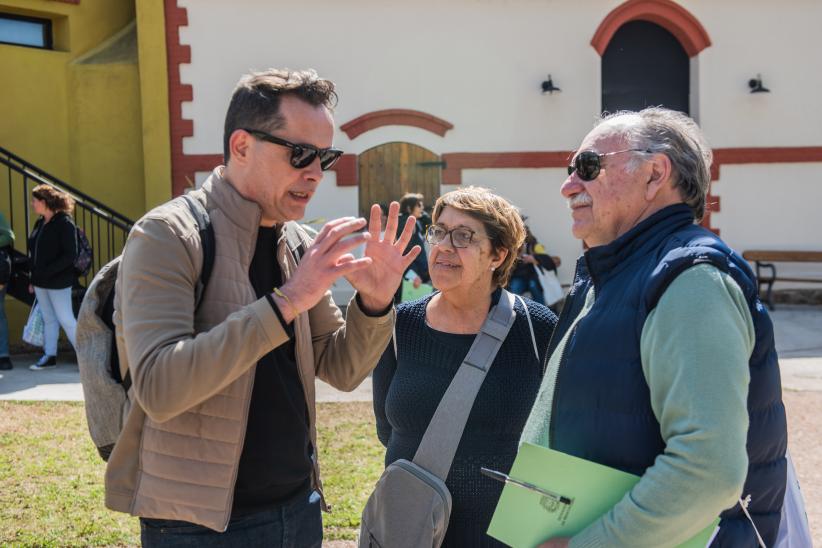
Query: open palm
column 378, row 282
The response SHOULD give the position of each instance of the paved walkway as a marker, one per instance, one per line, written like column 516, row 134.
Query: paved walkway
column 798, row 339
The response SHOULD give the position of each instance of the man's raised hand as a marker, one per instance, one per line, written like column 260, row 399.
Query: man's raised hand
column 377, row 282
column 328, row 258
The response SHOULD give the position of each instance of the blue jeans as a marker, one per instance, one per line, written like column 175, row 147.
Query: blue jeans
column 521, row 285
column 297, row 523
column 57, row 312
column 4, row 325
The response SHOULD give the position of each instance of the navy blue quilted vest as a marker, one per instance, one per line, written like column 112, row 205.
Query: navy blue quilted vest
column 602, row 408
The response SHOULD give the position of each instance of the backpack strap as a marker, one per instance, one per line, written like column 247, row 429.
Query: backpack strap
column 439, row 443
column 207, row 241
column 209, row 246
column 296, row 240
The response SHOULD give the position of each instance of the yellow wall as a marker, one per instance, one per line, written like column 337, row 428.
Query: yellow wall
column 105, row 120
column 35, row 97
column 93, row 111
column 151, row 42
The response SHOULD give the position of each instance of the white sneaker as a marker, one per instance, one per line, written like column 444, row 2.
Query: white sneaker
column 45, row 362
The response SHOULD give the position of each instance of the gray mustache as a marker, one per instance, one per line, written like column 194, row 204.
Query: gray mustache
column 581, row 199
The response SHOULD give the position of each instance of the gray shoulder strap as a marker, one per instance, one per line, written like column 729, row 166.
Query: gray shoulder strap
column 439, row 444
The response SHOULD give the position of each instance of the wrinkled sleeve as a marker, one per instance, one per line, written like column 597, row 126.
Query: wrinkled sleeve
column 346, row 351
column 172, row 369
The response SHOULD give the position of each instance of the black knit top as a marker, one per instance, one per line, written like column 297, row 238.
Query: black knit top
column 408, row 390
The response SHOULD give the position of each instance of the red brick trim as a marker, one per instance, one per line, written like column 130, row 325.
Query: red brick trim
column 670, row 16
column 764, row 155
column 189, row 164
column 767, row 155
column 395, row 117
column 182, row 172
column 455, row 162
column 346, row 170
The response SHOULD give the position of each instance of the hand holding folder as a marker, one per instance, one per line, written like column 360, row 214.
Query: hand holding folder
column 551, row 494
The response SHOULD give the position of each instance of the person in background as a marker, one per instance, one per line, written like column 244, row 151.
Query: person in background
column 6, row 246
column 532, row 255
column 411, row 205
column 474, row 240
column 52, row 250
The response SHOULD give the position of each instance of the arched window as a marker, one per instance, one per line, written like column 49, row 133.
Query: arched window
column 645, row 65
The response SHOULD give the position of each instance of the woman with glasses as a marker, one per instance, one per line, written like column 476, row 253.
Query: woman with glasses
column 52, row 250
column 473, row 241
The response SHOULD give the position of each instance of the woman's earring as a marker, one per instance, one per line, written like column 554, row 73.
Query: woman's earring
column 493, row 268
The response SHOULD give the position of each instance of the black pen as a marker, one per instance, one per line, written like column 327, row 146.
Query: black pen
column 505, row 478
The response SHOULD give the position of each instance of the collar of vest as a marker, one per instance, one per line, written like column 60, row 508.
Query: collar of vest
column 604, row 261
column 221, row 194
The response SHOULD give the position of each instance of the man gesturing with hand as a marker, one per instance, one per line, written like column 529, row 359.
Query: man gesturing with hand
column 219, row 446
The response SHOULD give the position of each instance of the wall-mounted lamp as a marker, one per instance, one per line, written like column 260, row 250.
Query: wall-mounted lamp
column 756, row 85
column 548, row 86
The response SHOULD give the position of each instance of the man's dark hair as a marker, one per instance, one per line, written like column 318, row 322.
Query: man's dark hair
column 409, row 201
column 255, row 102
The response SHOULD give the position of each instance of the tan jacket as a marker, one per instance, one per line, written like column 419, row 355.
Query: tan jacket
column 179, row 450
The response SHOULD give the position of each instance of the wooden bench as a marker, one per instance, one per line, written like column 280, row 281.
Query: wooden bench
column 764, row 259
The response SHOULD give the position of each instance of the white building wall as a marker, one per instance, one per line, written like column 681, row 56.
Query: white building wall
column 478, row 64
column 772, row 206
column 779, row 40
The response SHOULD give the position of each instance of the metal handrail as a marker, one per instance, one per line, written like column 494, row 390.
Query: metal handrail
column 105, row 228
column 35, row 172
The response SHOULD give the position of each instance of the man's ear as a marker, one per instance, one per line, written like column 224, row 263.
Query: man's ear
column 660, row 177
column 239, row 145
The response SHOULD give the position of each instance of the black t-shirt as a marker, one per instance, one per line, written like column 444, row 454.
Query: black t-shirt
column 276, row 458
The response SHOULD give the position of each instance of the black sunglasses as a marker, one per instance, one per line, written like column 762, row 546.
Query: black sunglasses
column 588, row 163
column 301, row 155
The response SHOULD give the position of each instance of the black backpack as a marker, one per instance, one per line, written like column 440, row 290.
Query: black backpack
column 85, row 254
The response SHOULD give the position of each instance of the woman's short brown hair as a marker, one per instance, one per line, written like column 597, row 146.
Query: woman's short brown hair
column 56, row 200
column 501, row 220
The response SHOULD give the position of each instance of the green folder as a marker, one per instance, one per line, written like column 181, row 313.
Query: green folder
column 524, row 518
column 411, row 293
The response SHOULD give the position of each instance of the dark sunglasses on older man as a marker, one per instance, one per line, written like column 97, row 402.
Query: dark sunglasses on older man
column 588, row 163
column 301, row 155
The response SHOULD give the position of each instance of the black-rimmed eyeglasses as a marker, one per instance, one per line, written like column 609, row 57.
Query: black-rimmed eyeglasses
column 461, row 236
column 588, row 163
column 301, row 154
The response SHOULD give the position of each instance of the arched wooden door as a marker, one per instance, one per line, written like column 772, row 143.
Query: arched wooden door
column 645, row 65
column 388, row 171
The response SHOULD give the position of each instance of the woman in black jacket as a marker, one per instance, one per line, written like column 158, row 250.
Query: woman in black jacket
column 52, row 250
column 411, row 205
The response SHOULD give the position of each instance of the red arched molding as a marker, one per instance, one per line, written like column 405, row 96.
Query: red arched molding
column 395, row 117
column 668, row 15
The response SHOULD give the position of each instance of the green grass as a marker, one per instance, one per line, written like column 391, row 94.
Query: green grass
column 51, row 478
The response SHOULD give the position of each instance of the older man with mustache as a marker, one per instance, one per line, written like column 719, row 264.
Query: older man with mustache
column 663, row 362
